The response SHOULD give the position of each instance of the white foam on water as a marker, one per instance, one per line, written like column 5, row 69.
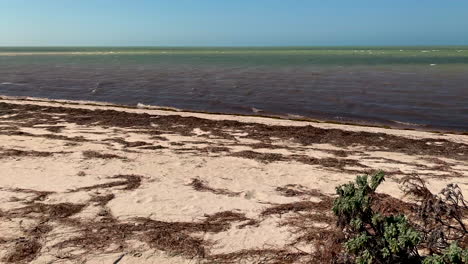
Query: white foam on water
column 140, row 105
column 10, row 83
column 157, row 107
column 295, row 116
column 405, row 123
column 256, row 110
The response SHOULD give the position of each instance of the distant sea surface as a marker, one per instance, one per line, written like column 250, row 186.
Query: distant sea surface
column 420, row 87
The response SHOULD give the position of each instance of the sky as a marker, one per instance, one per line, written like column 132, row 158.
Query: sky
column 233, row 22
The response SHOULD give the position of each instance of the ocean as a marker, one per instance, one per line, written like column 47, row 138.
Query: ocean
column 416, row 87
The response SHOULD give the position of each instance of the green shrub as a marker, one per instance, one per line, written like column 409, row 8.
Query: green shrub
column 373, row 238
column 452, row 255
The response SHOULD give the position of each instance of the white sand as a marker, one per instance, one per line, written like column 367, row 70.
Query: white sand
column 165, row 193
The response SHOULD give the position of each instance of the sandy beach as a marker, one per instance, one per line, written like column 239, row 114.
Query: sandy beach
column 90, row 183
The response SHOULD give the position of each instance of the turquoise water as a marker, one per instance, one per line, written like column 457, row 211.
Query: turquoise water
column 411, row 86
column 445, row 56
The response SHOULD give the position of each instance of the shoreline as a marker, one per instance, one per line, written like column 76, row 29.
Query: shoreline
column 98, row 183
column 393, row 125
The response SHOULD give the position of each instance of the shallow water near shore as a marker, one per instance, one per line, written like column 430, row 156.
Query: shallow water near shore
column 413, row 86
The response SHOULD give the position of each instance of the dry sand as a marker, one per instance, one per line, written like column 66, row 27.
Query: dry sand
column 85, row 183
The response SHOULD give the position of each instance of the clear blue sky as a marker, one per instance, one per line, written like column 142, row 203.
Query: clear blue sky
column 233, row 22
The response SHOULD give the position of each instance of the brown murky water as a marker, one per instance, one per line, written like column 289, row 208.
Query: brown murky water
column 417, row 89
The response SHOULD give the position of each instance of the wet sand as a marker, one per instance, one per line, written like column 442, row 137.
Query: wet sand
column 88, row 183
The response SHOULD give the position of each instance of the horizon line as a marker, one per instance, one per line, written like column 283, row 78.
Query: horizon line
column 222, row 46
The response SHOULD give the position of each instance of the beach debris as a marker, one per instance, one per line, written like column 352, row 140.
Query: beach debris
column 202, row 186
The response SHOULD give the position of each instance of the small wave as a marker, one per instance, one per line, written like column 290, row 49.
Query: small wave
column 294, row 116
column 10, row 83
column 256, row 110
column 140, row 105
column 157, row 107
column 405, row 123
